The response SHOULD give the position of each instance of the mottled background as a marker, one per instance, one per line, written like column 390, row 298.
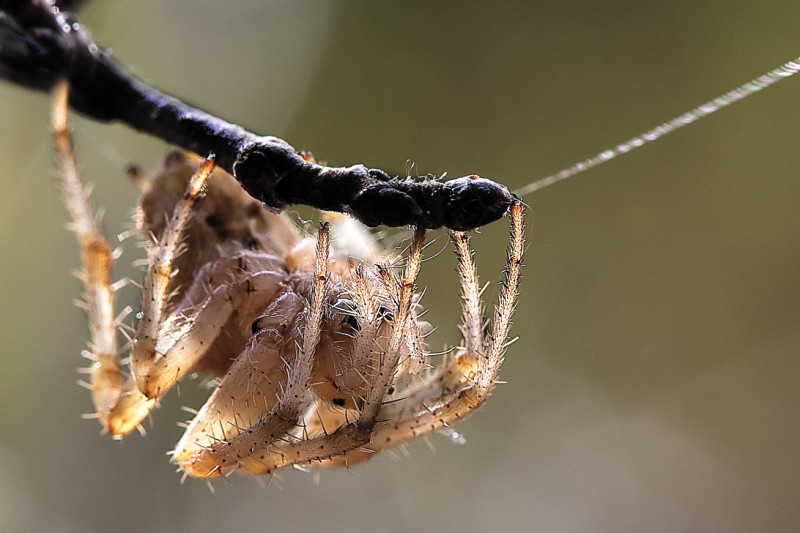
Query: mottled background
column 655, row 383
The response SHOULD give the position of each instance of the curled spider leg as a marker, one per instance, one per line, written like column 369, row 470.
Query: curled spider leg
column 190, row 335
column 458, row 387
column 230, row 427
column 155, row 296
column 381, row 382
column 197, row 335
column 353, row 439
column 186, row 334
column 170, row 343
column 250, row 388
column 119, row 405
column 267, row 451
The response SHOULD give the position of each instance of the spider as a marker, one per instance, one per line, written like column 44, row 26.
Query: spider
column 319, row 356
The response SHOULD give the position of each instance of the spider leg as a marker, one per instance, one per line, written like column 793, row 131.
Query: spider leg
column 180, row 339
column 250, row 388
column 460, row 386
column 366, row 317
column 472, row 309
column 265, row 456
column 118, row 403
column 494, row 346
column 454, row 389
column 157, row 278
column 230, row 428
column 185, row 337
column 170, row 343
column 380, row 382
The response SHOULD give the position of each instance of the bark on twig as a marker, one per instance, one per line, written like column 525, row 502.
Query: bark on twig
column 41, row 44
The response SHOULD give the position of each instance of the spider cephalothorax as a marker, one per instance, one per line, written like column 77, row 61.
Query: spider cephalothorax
column 319, row 354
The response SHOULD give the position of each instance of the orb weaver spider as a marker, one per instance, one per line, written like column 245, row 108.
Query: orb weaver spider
column 320, row 356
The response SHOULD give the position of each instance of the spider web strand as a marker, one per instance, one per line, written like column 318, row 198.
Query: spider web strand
column 755, row 85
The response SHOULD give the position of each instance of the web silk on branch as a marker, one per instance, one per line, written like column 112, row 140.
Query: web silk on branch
column 786, row 70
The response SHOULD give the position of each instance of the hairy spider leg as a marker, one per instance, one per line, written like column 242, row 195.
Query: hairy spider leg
column 187, row 335
column 456, row 388
column 169, row 346
column 265, row 450
column 379, row 383
column 184, row 336
column 231, row 424
column 118, row 403
column 460, row 386
column 155, row 297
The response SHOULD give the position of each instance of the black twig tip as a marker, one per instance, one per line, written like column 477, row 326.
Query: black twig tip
column 40, row 45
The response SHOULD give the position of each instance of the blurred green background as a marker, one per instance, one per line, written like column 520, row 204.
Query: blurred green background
column 654, row 386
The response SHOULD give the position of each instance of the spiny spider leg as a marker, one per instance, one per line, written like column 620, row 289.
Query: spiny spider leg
column 118, row 403
column 157, row 278
column 265, row 450
column 188, row 333
column 286, row 414
column 379, row 383
column 456, row 388
column 184, row 336
column 170, row 345
column 236, row 446
column 472, row 308
column 494, row 346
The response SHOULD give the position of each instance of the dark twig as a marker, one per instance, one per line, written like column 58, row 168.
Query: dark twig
column 41, row 44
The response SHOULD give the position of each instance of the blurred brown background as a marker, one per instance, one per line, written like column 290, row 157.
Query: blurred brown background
column 655, row 383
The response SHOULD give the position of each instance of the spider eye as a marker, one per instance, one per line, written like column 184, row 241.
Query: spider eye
column 386, row 314
column 351, row 321
column 347, row 307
